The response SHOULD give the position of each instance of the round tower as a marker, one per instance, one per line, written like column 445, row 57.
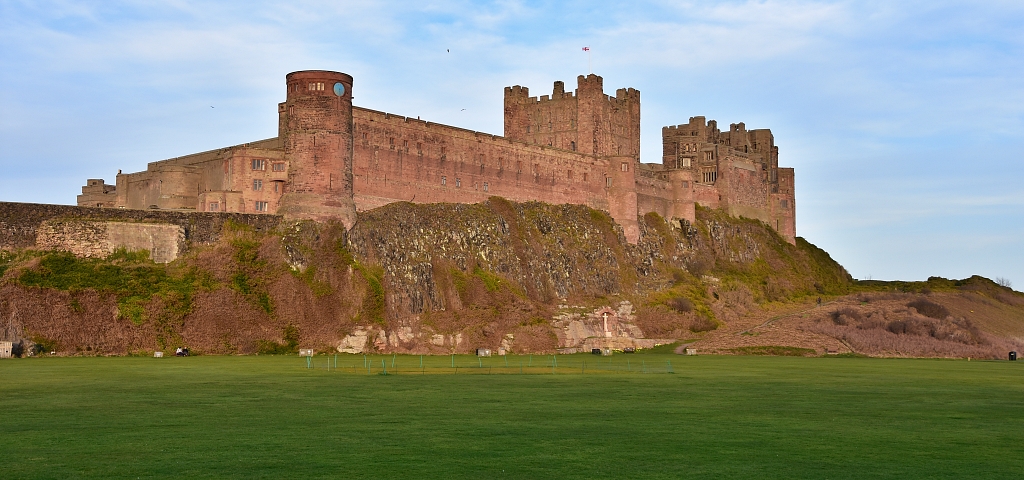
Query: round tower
column 317, row 134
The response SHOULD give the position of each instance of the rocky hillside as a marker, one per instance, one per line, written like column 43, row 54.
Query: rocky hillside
column 433, row 278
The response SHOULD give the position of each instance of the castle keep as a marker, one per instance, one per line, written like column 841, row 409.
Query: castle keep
column 331, row 159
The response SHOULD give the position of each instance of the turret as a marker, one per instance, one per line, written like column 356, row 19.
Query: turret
column 316, row 127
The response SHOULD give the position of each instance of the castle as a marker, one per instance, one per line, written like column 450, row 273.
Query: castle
column 332, row 159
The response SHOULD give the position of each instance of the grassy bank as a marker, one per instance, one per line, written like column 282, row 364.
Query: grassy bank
column 270, row 416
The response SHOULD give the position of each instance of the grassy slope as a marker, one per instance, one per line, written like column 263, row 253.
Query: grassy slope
column 716, row 417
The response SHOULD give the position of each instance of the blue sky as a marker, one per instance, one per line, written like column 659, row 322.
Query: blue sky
column 903, row 119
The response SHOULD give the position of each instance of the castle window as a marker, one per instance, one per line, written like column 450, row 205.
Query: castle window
column 568, row 174
column 624, row 167
column 259, row 164
column 684, row 184
column 527, row 129
column 551, row 126
column 391, row 142
column 261, row 206
column 485, row 186
column 519, row 166
column 214, row 206
column 683, row 162
column 257, row 184
column 277, row 167
column 444, row 180
column 442, row 152
column 419, row 148
column 458, row 182
column 364, row 136
column 584, row 176
column 608, row 182
column 573, row 146
column 784, row 203
column 709, row 156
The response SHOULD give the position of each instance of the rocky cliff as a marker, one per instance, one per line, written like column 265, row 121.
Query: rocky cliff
column 432, row 278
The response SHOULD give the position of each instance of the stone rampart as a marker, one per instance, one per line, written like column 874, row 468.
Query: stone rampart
column 90, row 231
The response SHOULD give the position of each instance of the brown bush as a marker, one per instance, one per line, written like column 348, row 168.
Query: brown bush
column 846, row 315
column 658, row 321
column 885, row 343
column 702, row 324
column 929, row 309
column 680, row 304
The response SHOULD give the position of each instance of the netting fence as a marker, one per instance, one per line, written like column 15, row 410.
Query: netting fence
column 578, row 364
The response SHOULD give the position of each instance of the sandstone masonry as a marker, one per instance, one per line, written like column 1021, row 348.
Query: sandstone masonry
column 331, row 159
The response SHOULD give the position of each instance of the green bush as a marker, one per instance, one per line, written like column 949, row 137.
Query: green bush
column 131, row 277
column 290, row 345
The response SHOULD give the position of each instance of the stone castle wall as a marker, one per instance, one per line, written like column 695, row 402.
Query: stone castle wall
column 579, row 147
column 90, row 231
column 405, row 159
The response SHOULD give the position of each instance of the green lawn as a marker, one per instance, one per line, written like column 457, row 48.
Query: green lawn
column 714, row 417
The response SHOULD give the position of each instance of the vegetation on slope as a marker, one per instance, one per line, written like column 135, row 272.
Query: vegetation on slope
column 414, row 277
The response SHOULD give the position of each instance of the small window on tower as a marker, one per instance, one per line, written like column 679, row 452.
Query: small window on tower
column 444, row 180
column 572, row 146
column 277, row 167
column 624, row 167
column 257, row 184
column 458, row 182
column 485, row 186
column 608, row 182
column 261, row 206
column 214, row 206
column 259, row 164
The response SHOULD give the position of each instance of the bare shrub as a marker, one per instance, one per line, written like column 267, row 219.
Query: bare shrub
column 846, row 316
column 929, row 309
column 874, row 320
column 1016, row 300
column 702, row 324
column 739, row 296
column 658, row 321
column 1004, row 282
column 680, row 304
column 885, row 343
column 699, row 265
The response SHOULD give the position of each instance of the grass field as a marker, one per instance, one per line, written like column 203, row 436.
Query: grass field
column 714, row 417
